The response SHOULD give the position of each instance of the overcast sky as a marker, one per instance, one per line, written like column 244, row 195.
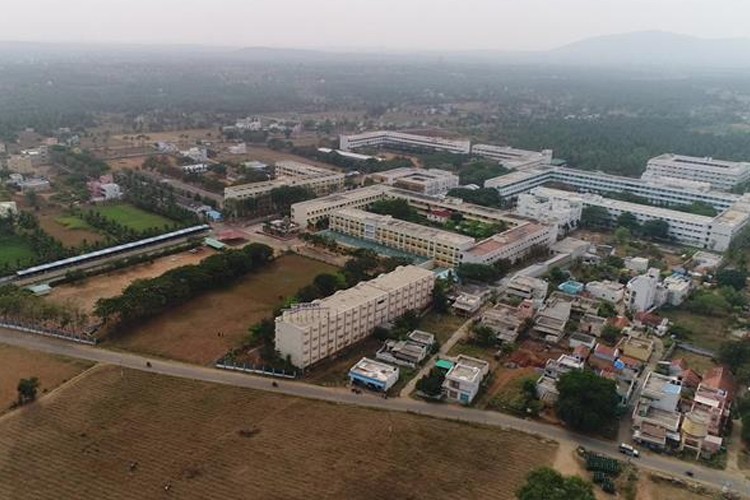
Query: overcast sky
column 368, row 24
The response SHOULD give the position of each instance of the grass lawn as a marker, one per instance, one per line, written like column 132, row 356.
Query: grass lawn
column 73, row 223
column 442, row 325
column 708, row 332
column 700, row 364
column 212, row 441
column 13, row 248
column 133, row 217
column 468, row 349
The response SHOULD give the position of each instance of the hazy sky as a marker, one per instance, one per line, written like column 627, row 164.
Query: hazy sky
column 382, row 24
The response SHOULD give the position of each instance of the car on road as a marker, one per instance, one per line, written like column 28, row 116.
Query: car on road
column 629, row 450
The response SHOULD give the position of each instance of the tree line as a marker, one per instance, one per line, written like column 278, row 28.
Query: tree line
column 147, row 298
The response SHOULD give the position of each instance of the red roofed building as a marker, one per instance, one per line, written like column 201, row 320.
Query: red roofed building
column 619, row 322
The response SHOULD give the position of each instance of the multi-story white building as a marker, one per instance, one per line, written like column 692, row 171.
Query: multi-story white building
column 310, row 332
column 656, row 417
column 290, row 173
column 400, row 140
column 720, row 174
column 713, row 233
column 463, row 380
column 642, row 291
column 563, row 213
column 8, row 208
column 512, row 244
column 431, row 181
column 517, row 159
column 662, row 191
column 311, row 211
column 443, row 246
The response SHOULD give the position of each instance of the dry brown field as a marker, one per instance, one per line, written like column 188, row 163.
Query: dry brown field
column 190, row 332
column 85, row 294
column 132, row 163
column 17, row 363
column 208, row 441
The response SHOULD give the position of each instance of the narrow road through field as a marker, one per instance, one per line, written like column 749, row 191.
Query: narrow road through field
column 657, row 463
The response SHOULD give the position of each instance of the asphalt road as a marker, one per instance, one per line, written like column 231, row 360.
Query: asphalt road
column 653, row 462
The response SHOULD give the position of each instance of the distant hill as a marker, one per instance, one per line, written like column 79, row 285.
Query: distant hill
column 654, row 48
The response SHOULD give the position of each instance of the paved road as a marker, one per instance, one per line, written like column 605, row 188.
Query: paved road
column 657, row 463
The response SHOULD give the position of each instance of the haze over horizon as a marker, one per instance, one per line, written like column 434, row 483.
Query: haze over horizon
column 366, row 24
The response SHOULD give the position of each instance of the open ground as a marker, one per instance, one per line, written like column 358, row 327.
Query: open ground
column 208, row 441
column 17, row 363
column 13, row 249
column 84, row 294
column 708, row 332
column 133, row 217
column 190, row 332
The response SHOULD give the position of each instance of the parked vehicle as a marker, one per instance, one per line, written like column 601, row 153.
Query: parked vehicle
column 629, row 450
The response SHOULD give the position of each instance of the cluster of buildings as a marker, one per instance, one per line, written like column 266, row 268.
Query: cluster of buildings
column 346, row 214
column 679, row 410
column 27, row 184
column 648, row 291
column 511, row 158
column 290, row 173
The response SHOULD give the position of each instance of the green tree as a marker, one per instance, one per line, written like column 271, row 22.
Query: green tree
column 440, row 301
column 27, row 389
column 545, row 483
column 628, row 221
column 732, row 277
column 484, row 336
column 622, row 235
column 656, row 229
column 594, row 217
column 478, row 272
column 432, row 384
column 327, row 283
column 587, row 402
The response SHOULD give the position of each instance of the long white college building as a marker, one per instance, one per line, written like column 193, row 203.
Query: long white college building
column 720, row 174
column 713, row 233
column 290, row 173
column 518, row 159
column 380, row 138
column 311, row 332
column 443, row 246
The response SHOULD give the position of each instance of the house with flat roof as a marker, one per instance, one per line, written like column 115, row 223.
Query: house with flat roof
column 402, row 352
column 550, row 321
column 463, row 380
column 546, row 385
column 511, row 245
column 527, row 287
column 656, row 417
column 373, row 375
column 505, row 322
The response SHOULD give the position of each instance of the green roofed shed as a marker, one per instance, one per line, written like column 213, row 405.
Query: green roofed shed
column 444, row 364
column 214, row 243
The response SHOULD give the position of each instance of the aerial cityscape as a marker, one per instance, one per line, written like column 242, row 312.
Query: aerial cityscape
column 510, row 270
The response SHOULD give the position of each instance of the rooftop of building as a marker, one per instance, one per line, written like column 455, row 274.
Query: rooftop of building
column 500, row 240
column 720, row 377
column 360, row 293
column 699, row 162
column 405, row 227
column 374, row 370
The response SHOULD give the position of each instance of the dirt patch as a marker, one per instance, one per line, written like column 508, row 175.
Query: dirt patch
column 17, row 363
column 205, row 328
column 213, row 441
column 131, row 163
column 85, row 294
column 655, row 488
column 508, row 378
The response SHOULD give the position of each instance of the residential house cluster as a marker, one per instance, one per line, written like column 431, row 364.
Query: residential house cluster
column 679, row 410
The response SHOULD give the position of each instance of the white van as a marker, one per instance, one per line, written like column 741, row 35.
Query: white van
column 628, row 450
